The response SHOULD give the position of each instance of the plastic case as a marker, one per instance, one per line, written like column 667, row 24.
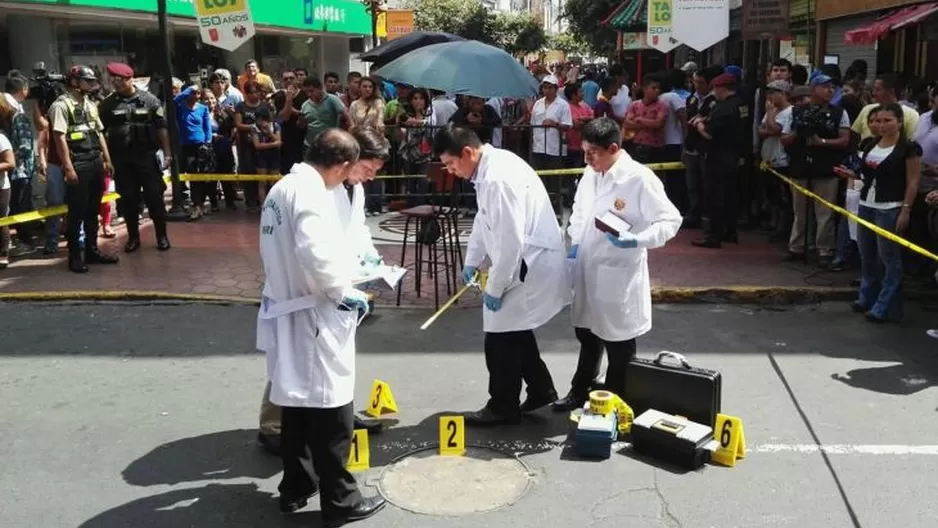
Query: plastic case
column 673, row 439
column 595, row 434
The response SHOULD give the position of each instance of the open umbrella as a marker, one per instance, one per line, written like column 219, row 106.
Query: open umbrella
column 463, row 68
column 398, row 47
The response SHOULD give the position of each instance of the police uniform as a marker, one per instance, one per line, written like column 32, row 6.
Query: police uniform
column 133, row 124
column 694, row 155
column 75, row 117
column 726, row 125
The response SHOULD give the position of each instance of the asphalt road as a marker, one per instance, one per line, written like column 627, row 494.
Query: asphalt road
column 143, row 416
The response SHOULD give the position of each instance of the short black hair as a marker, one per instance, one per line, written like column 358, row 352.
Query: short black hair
column 609, row 83
column 312, row 82
column 799, row 75
column 602, row 132
column 304, row 70
column 330, row 75
column 782, row 63
column 890, row 81
column 832, row 71
column 570, row 90
column 373, row 144
column 353, row 75
column 452, row 139
column 651, row 78
column 331, row 147
column 16, row 82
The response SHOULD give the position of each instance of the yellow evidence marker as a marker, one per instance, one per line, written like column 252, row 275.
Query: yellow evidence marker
column 381, row 401
column 452, row 436
column 729, row 433
column 359, row 454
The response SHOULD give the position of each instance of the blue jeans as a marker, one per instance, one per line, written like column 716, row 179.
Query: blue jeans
column 55, row 195
column 881, row 265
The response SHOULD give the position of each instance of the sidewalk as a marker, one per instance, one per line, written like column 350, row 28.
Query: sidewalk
column 218, row 257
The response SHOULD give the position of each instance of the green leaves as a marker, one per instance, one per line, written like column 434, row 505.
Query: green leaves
column 584, row 18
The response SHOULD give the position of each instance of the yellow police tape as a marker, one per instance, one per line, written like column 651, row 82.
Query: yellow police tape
column 602, row 402
column 57, row 210
column 892, row 237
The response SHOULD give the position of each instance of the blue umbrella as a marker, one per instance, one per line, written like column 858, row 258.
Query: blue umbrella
column 463, row 68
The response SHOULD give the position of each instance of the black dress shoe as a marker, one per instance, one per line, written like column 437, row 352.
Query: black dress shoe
column 533, row 403
column 94, row 256
column 708, row 243
column 270, row 443
column 363, row 510
column 133, row 244
column 162, row 243
column 372, row 426
column 288, row 505
column 77, row 264
column 568, row 403
column 488, row 418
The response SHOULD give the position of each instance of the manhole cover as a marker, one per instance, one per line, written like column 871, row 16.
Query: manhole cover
column 482, row 480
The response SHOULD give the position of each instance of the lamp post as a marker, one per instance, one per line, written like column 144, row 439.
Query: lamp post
column 374, row 8
column 176, row 212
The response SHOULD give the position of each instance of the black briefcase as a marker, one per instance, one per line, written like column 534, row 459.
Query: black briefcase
column 673, row 387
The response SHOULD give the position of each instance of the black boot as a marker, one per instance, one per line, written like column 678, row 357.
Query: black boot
column 76, row 263
column 162, row 243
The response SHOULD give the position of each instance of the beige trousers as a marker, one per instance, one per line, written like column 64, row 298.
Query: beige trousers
column 825, row 218
column 270, row 415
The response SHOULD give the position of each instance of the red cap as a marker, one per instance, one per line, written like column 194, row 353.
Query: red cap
column 119, row 69
column 724, row 79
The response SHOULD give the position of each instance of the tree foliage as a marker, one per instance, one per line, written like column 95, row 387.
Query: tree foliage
column 569, row 44
column 584, row 19
column 517, row 34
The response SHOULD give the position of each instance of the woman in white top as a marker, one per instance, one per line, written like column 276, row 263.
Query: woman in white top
column 7, row 163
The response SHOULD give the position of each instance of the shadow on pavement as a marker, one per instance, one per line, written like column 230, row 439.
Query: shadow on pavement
column 211, row 506
column 224, row 455
column 900, row 380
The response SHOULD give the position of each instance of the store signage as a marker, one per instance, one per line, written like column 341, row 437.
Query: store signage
column 765, row 19
column 400, row 22
column 700, row 23
column 225, row 24
column 659, row 26
column 635, row 41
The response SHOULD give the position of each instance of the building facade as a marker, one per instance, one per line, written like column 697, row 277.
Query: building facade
column 290, row 33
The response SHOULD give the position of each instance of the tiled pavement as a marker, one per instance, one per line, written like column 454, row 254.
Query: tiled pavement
column 218, row 256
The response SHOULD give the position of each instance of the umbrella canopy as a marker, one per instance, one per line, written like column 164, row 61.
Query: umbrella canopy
column 399, row 47
column 463, row 68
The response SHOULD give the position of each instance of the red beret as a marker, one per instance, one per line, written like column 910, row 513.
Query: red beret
column 724, row 79
column 119, row 69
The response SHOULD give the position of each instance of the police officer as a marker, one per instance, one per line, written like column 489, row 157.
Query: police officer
column 79, row 142
column 135, row 125
column 699, row 105
column 725, row 131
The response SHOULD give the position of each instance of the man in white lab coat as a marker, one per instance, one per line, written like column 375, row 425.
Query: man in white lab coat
column 612, row 291
column 516, row 231
column 350, row 204
column 306, row 326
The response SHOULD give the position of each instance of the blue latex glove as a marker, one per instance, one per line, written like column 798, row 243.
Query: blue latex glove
column 492, row 303
column 573, row 251
column 626, row 241
column 356, row 300
column 467, row 273
column 372, row 258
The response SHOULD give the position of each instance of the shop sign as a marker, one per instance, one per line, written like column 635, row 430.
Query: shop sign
column 659, row 26
column 328, row 16
column 700, row 23
column 400, row 22
column 635, row 41
column 225, row 24
column 765, row 19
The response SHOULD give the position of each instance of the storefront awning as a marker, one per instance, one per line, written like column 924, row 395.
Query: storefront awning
column 630, row 15
column 898, row 19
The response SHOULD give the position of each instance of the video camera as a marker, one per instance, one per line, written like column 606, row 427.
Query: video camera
column 48, row 86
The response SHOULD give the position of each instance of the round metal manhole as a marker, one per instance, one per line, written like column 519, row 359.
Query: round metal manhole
column 480, row 481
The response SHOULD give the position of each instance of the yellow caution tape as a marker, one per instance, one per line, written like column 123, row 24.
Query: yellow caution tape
column 479, row 278
column 47, row 212
column 888, row 235
column 602, row 402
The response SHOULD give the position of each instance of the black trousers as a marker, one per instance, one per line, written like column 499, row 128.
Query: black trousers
column 315, row 446
column 510, row 358
column 721, row 188
column 139, row 176
column 21, row 201
column 83, row 199
column 619, row 354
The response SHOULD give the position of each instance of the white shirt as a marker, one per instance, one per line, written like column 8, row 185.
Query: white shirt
column 495, row 103
column 547, row 140
column 620, row 102
column 443, row 109
column 876, row 156
column 673, row 134
column 4, row 146
column 773, row 151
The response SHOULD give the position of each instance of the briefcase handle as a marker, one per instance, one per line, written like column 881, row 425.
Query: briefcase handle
column 673, row 355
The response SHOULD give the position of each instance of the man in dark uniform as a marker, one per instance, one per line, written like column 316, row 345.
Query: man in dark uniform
column 699, row 105
column 82, row 152
column 135, row 125
column 725, row 131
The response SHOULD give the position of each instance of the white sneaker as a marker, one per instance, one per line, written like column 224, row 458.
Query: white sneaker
column 933, row 333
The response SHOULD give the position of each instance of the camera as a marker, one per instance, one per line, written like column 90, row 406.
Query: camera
column 48, row 86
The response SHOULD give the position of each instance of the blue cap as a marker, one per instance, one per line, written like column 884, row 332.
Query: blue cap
column 819, row 78
column 734, row 70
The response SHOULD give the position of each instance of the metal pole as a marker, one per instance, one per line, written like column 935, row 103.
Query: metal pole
column 176, row 211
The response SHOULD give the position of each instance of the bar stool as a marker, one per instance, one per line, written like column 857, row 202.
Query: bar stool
column 435, row 234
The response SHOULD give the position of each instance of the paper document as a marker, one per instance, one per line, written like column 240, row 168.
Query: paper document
column 390, row 275
column 611, row 223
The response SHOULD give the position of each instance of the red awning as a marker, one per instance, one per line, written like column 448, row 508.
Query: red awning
column 890, row 22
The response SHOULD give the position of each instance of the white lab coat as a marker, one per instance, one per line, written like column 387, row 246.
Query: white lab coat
column 612, row 291
column 352, row 218
column 309, row 341
column 516, row 222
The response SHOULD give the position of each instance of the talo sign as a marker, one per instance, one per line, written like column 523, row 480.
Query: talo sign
column 225, row 24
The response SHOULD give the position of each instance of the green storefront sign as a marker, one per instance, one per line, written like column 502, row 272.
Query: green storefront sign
column 332, row 16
